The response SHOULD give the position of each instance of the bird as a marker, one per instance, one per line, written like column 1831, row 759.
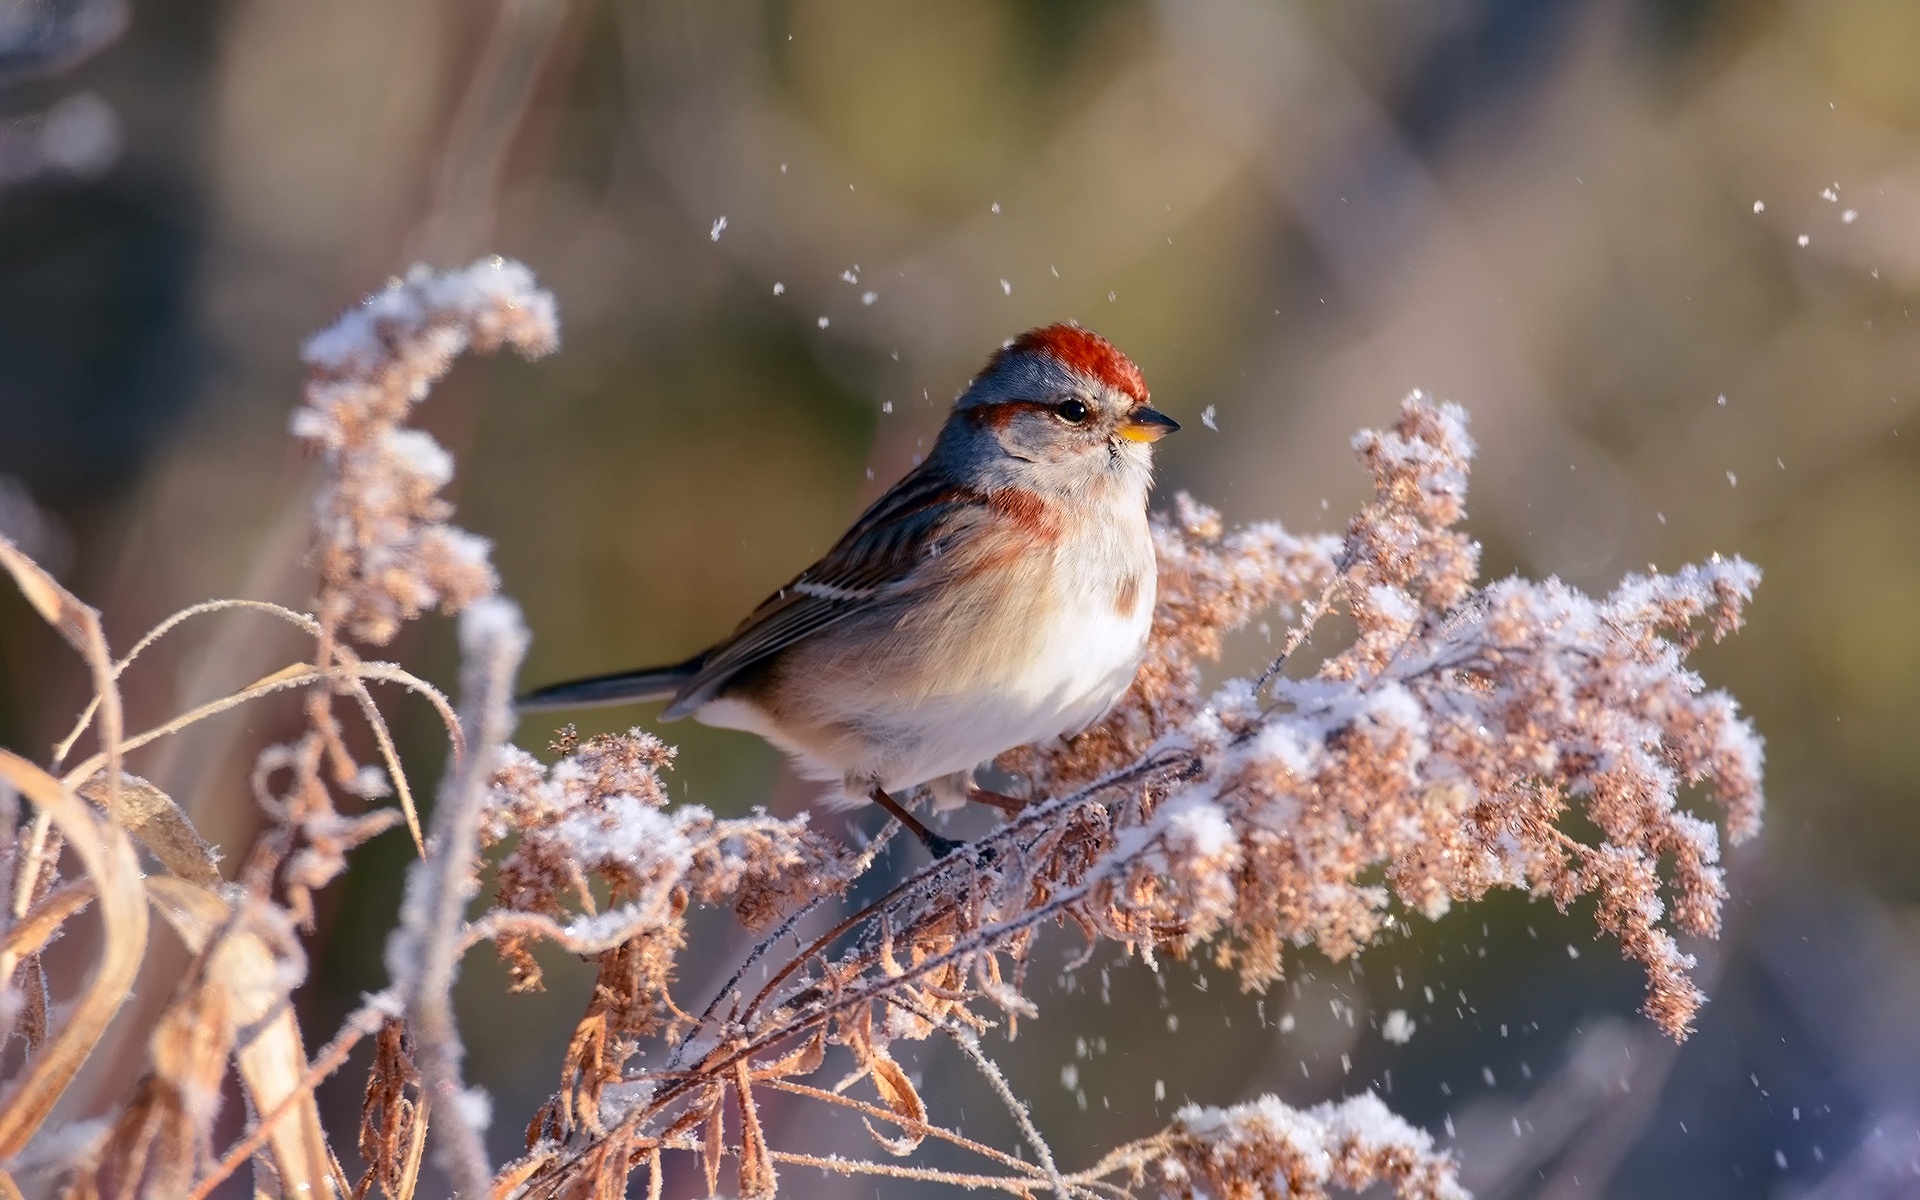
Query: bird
column 1000, row 594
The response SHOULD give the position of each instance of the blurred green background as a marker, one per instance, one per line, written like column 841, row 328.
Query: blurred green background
column 1665, row 251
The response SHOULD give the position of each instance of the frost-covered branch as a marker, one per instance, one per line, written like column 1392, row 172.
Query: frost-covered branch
column 424, row 951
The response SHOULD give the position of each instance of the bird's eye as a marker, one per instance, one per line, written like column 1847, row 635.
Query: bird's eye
column 1073, row 412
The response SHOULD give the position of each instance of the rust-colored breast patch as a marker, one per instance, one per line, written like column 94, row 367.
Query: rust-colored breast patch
column 1030, row 514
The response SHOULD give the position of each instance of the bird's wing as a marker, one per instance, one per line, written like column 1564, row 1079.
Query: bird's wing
column 873, row 562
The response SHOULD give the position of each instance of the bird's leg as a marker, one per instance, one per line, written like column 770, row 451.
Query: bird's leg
column 1013, row 806
column 936, row 845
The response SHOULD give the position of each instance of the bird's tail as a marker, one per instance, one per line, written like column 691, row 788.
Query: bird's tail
column 625, row 687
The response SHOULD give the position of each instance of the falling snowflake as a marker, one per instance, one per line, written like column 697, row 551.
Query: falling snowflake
column 1398, row 1027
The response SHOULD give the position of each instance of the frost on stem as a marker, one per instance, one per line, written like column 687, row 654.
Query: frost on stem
column 385, row 551
column 423, row 954
column 382, row 542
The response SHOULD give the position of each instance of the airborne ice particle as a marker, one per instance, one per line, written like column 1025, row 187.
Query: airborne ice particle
column 1398, row 1027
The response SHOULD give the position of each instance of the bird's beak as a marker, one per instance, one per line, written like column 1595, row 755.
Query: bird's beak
column 1145, row 424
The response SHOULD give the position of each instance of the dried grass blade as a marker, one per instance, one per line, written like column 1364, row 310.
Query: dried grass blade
column 364, row 1021
column 108, row 859
column 287, row 677
column 757, row 1178
column 29, row 934
column 715, row 1139
column 272, row 1065
column 306, row 623
column 389, row 673
column 416, row 1151
column 55, row 604
column 79, row 624
column 383, row 737
column 273, row 1061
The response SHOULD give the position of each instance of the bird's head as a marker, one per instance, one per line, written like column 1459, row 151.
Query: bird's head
column 1058, row 407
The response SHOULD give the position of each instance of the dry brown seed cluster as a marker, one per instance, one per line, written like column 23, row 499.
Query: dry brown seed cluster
column 1443, row 745
column 1267, row 1150
column 601, row 813
column 385, row 551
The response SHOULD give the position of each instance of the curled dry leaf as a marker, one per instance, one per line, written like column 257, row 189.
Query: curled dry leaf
column 897, row 1093
column 30, row 934
column 157, row 823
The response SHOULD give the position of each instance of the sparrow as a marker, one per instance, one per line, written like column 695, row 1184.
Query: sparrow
column 999, row 594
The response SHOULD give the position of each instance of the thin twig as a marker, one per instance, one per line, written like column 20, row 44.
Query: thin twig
column 860, row 867
column 969, row 1043
column 924, row 1128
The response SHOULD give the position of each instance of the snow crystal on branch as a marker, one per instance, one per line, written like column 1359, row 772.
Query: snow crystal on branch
column 385, row 551
column 1436, row 756
column 1265, row 1148
column 601, row 812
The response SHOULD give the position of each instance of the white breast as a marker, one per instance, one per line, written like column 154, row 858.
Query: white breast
column 1082, row 619
column 1083, row 658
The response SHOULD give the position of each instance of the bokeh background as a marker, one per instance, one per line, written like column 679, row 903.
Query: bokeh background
column 1664, row 250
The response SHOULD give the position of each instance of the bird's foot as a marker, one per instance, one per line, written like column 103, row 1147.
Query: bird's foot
column 937, row 845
